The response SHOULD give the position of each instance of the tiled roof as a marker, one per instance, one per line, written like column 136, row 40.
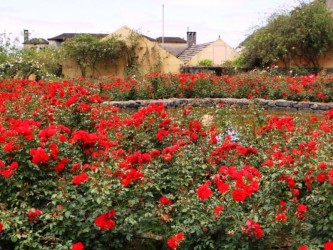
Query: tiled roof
column 187, row 54
column 171, row 40
column 149, row 38
column 65, row 36
column 36, row 41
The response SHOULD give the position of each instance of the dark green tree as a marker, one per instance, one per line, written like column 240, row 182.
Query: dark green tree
column 302, row 35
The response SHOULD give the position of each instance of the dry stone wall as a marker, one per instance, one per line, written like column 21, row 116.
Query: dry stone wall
column 282, row 105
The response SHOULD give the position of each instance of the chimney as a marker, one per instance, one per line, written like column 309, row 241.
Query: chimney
column 26, row 35
column 191, row 38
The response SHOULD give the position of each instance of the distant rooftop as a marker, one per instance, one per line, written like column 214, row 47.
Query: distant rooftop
column 35, row 41
column 65, row 36
column 188, row 53
column 171, row 40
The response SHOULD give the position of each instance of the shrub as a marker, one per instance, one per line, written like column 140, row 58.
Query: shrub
column 205, row 62
column 76, row 172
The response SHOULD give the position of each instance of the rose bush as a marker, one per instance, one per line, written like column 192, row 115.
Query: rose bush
column 247, row 85
column 79, row 174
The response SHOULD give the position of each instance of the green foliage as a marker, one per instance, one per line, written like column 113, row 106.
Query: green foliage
column 237, row 62
column 58, row 131
column 87, row 51
column 295, row 38
column 21, row 63
column 270, row 84
column 205, row 62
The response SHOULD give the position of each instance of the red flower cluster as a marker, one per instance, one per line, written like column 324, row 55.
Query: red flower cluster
column 239, row 195
column 279, row 123
column 165, row 201
column 34, row 214
column 78, row 179
column 39, row 155
column 246, row 181
column 303, row 247
column 175, row 240
column 218, row 210
column 104, row 221
column 128, row 176
column 204, row 192
column 254, row 228
column 328, row 245
column 282, row 212
column 77, row 246
column 300, row 212
column 8, row 171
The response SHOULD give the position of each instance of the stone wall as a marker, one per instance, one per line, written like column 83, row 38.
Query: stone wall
column 282, row 105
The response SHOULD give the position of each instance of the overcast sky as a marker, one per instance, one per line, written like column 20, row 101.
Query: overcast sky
column 233, row 20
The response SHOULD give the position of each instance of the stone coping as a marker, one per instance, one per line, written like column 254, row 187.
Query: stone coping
column 282, row 105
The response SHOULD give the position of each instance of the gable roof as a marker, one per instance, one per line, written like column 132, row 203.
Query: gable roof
column 169, row 39
column 188, row 53
column 65, row 36
column 149, row 38
column 35, row 41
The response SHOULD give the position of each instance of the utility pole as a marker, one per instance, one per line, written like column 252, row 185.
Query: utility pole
column 163, row 26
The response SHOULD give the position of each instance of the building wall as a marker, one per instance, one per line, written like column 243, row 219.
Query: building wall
column 70, row 69
column 150, row 57
column 326, row 61
column 218, row 52
column 54, row 43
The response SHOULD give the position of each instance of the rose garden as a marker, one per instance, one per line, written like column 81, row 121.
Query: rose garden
column 80, row 173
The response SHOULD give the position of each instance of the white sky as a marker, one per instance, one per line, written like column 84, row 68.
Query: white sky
column 233, row 20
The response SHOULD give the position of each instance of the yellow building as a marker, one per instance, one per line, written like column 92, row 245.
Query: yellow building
column 164, row 55
column 218, row 52
column 148, row 56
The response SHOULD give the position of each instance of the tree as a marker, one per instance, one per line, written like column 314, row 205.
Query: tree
column 87, row 51
column 301, row 36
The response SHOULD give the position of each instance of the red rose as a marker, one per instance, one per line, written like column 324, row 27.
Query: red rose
column 301, row 208
column 303, row 247
column 34, row 214
column 328, row 245
column 78, row 179
column 218, row 210
column 204, row 192
column 39, row 155
column 104, row 221
column 165, row 201
column 321, row 177
column 77, row 246
column 172, row 243
column 281, row 217
column 175, row 240
column 239, row 195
